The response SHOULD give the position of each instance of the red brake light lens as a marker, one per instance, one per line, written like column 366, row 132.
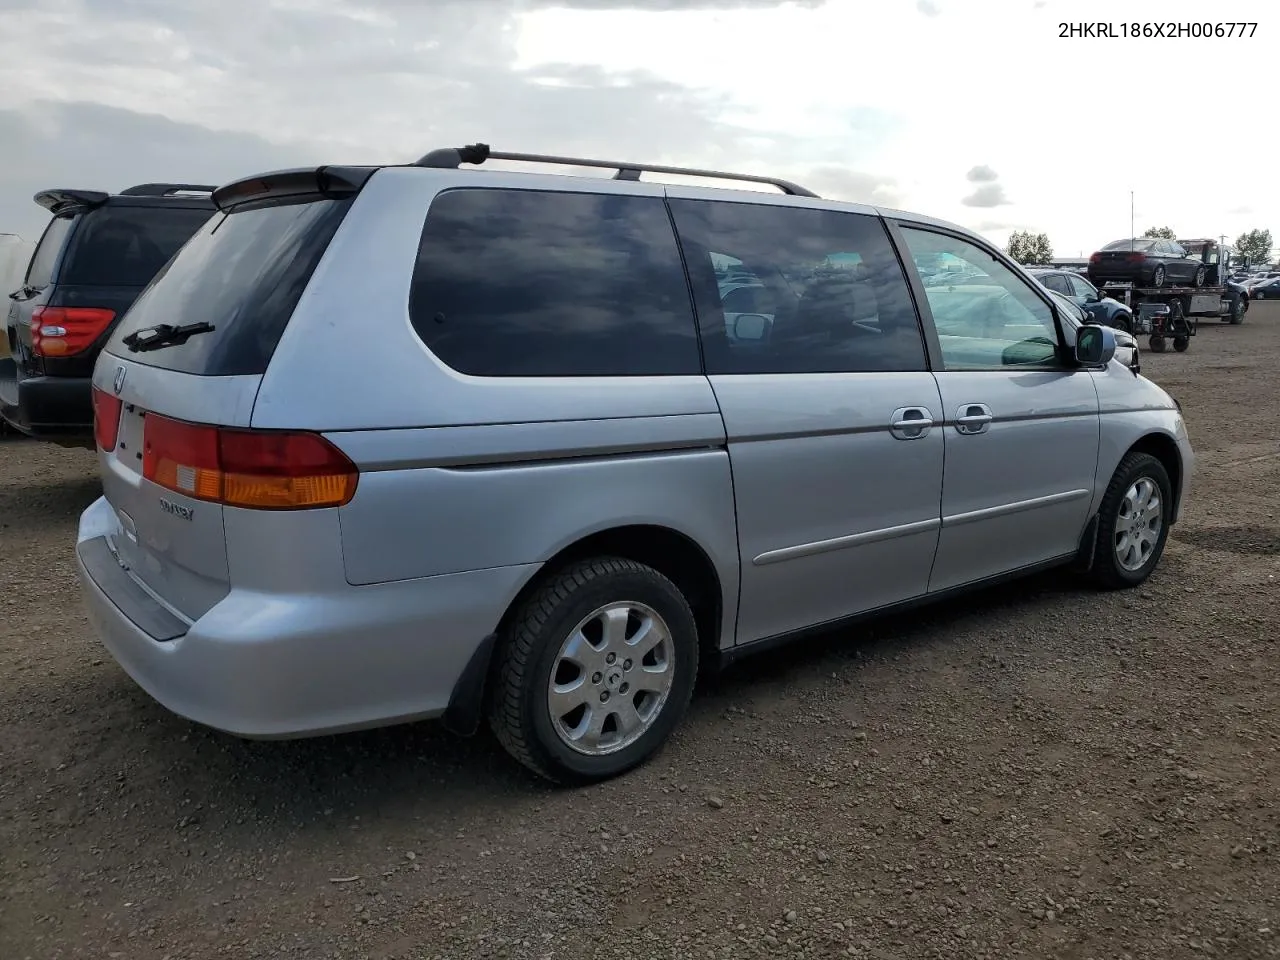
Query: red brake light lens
column 66, row 331
column 1095, row 258
column 106, row 419
column 266, row 470
column 1136, row 257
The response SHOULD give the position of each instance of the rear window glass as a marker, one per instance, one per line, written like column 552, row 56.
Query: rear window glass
column 124, row 246
column 40, row 271
column 243, row 273
column 532, row 283
column 1138, row 243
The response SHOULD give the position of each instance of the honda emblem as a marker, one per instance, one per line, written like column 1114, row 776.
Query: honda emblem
column 119, row 381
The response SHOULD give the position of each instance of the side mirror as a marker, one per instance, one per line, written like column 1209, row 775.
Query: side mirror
column 1095, row 345
column 750, row 326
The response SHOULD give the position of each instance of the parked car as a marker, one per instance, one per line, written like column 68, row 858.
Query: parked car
column 1147, row 262
column 1126, row 346
column 1087, row 297
column 96, row 255
column 1268, row 289
column 560, row 489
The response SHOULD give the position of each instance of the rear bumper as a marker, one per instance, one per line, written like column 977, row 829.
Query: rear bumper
column 269, row 666
column 46, row 407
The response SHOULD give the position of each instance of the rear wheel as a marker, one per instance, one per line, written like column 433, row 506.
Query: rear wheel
column 1181, row 343
column 1133, row 522
column 1124, row 322
column 1198, row 279
column 1239, row 307
column 1156, row 343
column 1157, row 276
column 595, row 671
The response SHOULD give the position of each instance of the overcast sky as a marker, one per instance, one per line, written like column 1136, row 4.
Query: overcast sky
column 971, row 110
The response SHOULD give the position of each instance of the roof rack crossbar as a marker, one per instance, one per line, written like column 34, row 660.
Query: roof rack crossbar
column 166, row 189
column 452, row 157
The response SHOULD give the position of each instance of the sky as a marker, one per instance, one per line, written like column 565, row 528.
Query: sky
column 974, row 111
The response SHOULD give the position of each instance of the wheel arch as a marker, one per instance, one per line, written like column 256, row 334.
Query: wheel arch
column 1165, row 449
column 675, row 555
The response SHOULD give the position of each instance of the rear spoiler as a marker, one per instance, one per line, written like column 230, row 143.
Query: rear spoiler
column 297, row 184
column 60, row 202
column 166, row 189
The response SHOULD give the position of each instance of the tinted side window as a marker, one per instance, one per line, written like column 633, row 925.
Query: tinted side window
column 1055, row 282
column 533, row 283
column 831, row 295
column 40, row 270
column 125, row 246
column 993, row 322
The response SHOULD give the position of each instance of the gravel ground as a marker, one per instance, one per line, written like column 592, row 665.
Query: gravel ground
column 1035, row 771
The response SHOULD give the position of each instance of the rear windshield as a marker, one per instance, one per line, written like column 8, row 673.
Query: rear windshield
column 124, row 246
column 1140, row 243
column 244, row 273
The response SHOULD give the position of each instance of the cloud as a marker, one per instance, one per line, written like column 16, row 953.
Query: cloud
column 984, row 225
column 987, row 195
column 837, row 183
column 928, row 8
column 47, row 146
column 981, row 174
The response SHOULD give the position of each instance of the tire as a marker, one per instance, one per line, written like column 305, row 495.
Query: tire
column 1158, row 276
column 1198, row 279
column 1137, row 472
column 532, row 653
column 1181, row 343
column 1157, row 343
column 1123, row 322
column 1238, row 309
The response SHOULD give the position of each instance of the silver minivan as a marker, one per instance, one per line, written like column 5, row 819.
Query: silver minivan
column 441, row 441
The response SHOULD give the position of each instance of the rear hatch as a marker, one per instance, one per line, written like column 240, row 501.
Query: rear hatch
column 175, row 386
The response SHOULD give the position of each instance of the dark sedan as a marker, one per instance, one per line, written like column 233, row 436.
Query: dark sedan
column 1147, row 262
column 1082, row 293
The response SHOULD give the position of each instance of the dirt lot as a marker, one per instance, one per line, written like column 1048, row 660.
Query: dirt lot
column 1037, row 771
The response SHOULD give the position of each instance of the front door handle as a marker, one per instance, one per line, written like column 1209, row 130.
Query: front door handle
column 911, row 423
column 973, row 418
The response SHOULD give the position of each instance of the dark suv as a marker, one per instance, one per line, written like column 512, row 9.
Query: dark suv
column 96, row 255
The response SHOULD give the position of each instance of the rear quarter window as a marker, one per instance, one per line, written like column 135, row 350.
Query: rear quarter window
column 244, row 273
column 40, row 270
column 125, row 246
column 531, row 283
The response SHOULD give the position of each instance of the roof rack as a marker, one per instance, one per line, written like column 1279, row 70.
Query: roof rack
column 165, row 189
column 450, row 158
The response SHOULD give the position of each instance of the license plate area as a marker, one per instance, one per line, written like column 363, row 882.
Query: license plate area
column 129, row 445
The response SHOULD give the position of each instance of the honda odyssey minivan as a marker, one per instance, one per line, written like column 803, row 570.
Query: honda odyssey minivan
column 437, row 441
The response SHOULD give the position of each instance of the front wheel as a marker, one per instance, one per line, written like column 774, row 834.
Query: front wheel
column 1133, row 522
column 1239, row 307
column 595, row 671
column 1157, row 343
column 1181, row 343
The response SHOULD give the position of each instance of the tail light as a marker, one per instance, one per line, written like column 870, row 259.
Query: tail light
column 66, row 331
column 106, row 419
column 260, row 469
column 1136, row 257
column 1095, row 258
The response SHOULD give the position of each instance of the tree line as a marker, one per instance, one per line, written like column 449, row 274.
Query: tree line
column 1031, row 248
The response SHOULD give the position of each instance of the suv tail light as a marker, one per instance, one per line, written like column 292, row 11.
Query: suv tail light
column 66, row 331
column 106, row 419
column 1095, row 258
column 260, row 469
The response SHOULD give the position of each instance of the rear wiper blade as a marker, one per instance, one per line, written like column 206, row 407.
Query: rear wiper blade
column 164, row 335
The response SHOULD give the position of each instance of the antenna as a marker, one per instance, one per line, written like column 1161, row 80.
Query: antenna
column 1132, row 228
